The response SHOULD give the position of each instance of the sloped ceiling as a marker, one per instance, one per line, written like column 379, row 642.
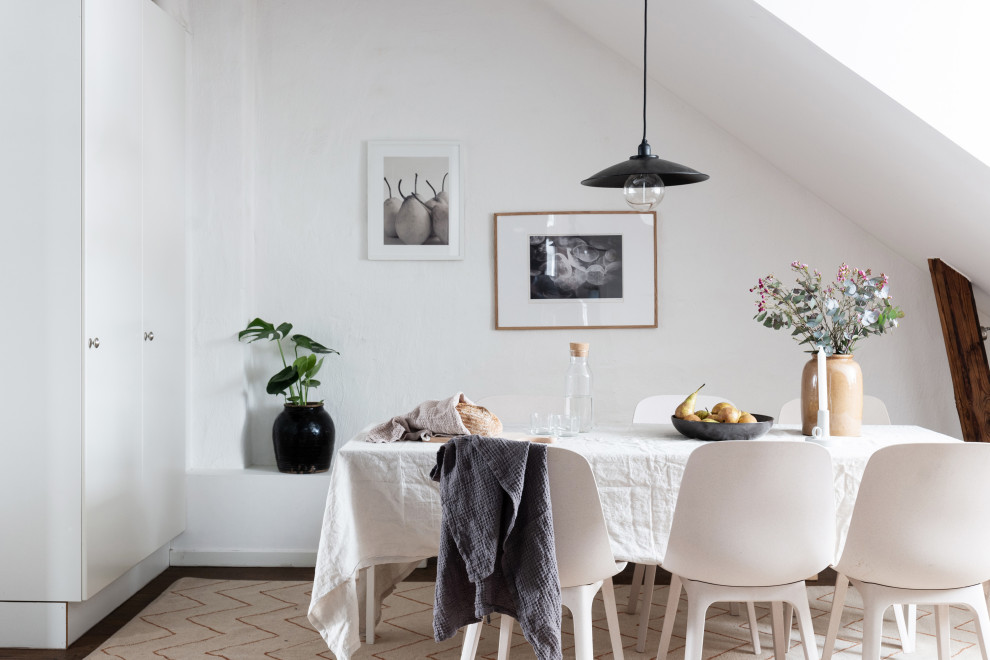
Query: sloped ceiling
column 833, row 132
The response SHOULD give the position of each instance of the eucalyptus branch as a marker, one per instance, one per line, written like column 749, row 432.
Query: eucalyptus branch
column 836, row 315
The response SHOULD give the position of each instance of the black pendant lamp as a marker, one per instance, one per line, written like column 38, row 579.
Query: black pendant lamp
column 644, row 176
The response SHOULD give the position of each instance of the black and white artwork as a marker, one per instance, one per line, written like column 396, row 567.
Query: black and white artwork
column 415, row 202
column 575, row 267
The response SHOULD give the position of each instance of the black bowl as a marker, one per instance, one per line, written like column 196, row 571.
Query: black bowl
column 710, row 431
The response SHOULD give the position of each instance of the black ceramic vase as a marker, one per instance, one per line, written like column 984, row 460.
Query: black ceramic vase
column 303, row 437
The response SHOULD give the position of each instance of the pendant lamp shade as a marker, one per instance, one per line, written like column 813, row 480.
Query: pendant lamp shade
column 644, row 176
column 672, row 174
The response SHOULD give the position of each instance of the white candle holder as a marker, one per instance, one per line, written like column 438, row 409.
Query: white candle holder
column 821, row 431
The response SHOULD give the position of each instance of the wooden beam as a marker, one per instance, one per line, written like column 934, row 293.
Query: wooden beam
column 965, row 349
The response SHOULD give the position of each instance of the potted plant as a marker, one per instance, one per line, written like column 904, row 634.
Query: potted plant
column 303, row 433
column 835, row 316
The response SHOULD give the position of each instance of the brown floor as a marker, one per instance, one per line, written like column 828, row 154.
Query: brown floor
column 116, row 619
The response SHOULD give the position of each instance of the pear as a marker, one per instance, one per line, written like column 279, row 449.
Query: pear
column 728, row 415
column 412, row 223
column 443, row 197
column 718, row 406
column 392, row 205
column 703, row 414
column 687, row 407
column 747, row 418
column 439, row 213
column 710, row 420
column 692, row 418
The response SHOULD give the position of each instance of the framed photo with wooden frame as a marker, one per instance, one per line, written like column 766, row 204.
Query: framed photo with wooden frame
column 415, row 201
column 575, row 269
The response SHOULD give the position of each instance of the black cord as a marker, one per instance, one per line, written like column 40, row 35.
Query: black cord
column 645, row 6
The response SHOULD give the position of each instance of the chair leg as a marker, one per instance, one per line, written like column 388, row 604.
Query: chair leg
column 906, row 625
column 734, row 608
column 578, row 600
column 505, row 637
column 644, row 616
column 637, row 582
column 695, row 632
column 838, row 601
column 472, row 634
column 978, row 604
column 369, row 605
column 612, row 617
column 754, row 631
column 872, row 626
column 805, row 628
column 780, row 639
column 673, row 600
column 788, row 622
column 942, row 631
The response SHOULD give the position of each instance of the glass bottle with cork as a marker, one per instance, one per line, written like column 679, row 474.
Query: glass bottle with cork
column 577, row 388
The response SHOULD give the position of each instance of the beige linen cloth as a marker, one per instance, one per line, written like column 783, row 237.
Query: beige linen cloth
column 434, row 417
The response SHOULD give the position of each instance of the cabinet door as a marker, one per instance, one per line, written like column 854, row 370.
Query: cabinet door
column 113, row 457
column 40, row 266
column 164, row 278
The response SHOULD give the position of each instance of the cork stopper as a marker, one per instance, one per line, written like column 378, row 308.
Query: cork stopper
column 579, row 349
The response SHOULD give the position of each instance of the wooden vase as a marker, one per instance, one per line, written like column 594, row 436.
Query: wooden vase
column 845, row 395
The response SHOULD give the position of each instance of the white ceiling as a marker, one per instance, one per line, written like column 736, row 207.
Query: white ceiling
column 833, row 132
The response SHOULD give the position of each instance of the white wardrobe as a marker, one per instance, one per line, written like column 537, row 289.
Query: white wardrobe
column 92, row 312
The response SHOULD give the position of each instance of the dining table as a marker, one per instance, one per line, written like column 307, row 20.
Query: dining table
column 383, row 511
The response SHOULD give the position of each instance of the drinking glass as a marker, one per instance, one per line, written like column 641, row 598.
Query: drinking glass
column 539, row 423
column 564, row 425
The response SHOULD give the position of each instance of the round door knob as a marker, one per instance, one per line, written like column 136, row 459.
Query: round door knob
column 149, row 336
column 94, row 342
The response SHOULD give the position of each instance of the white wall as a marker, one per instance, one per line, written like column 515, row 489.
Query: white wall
column 284, row 97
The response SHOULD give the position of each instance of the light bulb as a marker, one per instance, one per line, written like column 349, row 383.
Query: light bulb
column 643, row 191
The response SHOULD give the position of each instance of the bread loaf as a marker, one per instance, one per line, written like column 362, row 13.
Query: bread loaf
column 479, row 420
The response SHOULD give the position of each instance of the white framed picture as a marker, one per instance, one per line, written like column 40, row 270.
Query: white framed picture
column 575, row 269
column 415, row 201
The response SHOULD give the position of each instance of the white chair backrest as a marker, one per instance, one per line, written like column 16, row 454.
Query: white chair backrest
column 874, row 411
column 584, row 554
column 515, row 409
column 753, row 514
column 922, row 517
column 658, row 409
column 790, row 412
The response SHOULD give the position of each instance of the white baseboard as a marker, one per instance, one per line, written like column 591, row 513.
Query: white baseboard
column 301, row 559
column 55, row 625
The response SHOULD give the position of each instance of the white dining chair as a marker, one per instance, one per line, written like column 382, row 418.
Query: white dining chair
column 874, row 411
column 657, row 409
column 764, row 515
column 584, row 557
column 515, row 409
column 919, row 533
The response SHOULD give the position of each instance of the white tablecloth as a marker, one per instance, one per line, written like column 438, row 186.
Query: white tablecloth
column 383, row 508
